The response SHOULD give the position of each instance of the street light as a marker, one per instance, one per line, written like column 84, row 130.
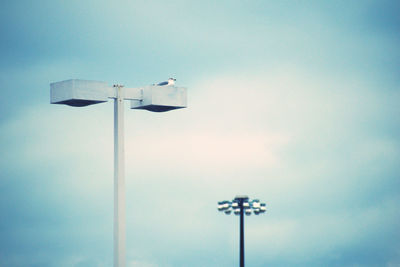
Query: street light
column 80, row 93
column 242, row 205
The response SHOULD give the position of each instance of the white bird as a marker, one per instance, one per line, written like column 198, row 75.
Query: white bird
column 171, row 81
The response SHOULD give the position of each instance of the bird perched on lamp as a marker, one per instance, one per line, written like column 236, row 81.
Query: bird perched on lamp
column 171, row 81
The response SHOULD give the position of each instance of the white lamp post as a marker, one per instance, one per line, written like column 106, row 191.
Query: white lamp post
column 79, row 93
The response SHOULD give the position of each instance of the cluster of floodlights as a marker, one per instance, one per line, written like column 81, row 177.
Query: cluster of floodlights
column 248, row 206
column 242, row 205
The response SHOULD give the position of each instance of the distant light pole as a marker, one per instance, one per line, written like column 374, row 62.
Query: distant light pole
column 80, row 93
column 242, row 205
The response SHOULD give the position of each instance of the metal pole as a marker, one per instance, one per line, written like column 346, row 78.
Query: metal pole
column 241, row 234
column 119, row 180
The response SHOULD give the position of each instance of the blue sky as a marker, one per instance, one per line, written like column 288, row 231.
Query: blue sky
column 291, row 102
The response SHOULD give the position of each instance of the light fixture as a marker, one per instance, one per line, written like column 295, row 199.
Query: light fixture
column 81, row 93
column 242, row 205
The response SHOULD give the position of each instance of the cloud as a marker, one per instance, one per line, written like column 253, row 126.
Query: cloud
column 309, row 147
column 294, row 104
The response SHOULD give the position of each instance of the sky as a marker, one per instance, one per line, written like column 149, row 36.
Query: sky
column 295, row 103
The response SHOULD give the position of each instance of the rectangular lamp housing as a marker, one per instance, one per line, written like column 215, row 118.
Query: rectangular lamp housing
column 161, row 98
column 79, row 93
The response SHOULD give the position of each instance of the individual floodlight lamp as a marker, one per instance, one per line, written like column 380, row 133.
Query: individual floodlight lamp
column 242, row 205
column 80, row 93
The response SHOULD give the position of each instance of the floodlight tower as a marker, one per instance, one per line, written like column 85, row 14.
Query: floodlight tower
column 242, row 205
column 80, row 93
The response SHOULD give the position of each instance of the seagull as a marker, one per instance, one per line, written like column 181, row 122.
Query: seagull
column 171, row 81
